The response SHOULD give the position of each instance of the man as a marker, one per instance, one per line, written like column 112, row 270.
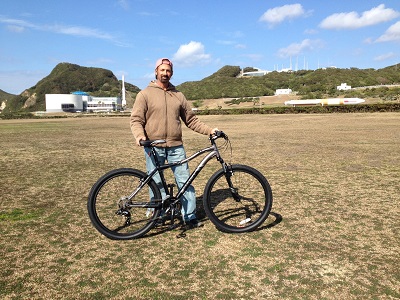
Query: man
column 157, row 114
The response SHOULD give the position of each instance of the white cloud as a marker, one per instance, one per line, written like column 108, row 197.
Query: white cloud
column 298, row 48
column 279, row 14
column 240, row 46
column 385, row 56
column 392, row 34
column 15, row 28
column 225, row 42
column 148, row 14
column 234, row 44
column 78, row 31
column 352, row 20
column 310, row 31
column 16, row 25
column 368, row 40
column 191, row 54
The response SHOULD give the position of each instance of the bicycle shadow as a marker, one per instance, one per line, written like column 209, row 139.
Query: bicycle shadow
column 278, row 219
column 202, row 217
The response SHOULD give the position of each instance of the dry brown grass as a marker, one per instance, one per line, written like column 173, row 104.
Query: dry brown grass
column 333, row 232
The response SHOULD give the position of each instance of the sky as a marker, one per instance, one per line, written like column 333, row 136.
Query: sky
column 199, row 36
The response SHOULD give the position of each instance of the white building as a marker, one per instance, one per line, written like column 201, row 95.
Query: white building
column 259, row 72
column 64, row 102
column 79, row 101
column 103, row 104
column 283, row 92
column 343, row 87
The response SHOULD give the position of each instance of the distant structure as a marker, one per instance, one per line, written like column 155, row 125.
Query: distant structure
column 259, row 72
column 343, row 87
column 123, row 92
column 80, row 101
column 287, row 70
column 283, row 92
column 104, row 104
column 324, row 102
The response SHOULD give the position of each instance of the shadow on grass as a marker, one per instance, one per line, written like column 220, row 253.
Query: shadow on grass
column 202, row 217
column 278, row 219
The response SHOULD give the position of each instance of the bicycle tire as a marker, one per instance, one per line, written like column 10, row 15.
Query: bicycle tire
column 104, row 201
column 250, row 211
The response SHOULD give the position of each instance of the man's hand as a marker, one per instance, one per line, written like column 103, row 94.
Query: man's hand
column 214, row 130
column 140, row 138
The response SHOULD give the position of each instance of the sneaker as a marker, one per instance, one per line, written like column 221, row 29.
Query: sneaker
column 194, row 223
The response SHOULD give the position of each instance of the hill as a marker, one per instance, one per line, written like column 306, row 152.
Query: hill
column 66, row 78
column 306, row 83
column 4, row 97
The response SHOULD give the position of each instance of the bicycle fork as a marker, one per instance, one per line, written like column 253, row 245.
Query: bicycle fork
column 228, row 174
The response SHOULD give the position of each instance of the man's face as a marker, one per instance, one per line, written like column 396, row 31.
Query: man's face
column 164, row 73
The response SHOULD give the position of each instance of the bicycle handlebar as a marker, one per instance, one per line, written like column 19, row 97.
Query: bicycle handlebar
column 219, row 134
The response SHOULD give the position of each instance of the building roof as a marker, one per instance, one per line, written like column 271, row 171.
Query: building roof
column 80, row 93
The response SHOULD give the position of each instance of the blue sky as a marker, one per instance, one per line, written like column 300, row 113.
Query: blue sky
column 200, row 37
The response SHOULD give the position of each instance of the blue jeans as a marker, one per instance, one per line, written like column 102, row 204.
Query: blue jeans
column 181, row 173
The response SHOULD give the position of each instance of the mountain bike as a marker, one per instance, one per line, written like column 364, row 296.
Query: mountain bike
column 237, row 198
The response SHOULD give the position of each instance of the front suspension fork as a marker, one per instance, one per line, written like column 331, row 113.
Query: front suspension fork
column 228, row 174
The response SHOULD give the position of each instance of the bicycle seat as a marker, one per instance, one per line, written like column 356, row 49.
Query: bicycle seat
column 152, row 143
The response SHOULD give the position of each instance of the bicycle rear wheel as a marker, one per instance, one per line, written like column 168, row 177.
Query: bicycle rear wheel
column 242, row 209
column 110, row 211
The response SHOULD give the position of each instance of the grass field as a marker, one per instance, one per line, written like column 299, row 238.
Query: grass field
column 333, row 233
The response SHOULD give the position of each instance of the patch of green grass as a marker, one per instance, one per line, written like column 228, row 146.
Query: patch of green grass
column 18, row 214
column 248, row 267
column 253, row 251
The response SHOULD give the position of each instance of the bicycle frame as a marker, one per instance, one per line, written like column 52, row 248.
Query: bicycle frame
column 213, row 152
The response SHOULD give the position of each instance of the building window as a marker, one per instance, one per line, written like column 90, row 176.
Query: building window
column 67, row 107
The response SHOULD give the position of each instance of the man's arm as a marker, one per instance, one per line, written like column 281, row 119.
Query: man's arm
column 138, row 118
column 192, row 121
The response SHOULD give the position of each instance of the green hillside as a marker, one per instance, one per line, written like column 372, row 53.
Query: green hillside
column 66, row 78
column 5, row 96
column 309, row 84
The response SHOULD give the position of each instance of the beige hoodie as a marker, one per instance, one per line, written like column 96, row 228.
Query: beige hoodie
column 157, row 114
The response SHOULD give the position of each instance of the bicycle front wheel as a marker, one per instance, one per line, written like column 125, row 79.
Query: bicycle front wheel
column 242, row 207
column 113, row 214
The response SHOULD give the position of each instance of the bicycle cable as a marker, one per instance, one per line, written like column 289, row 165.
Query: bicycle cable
column 226, row 146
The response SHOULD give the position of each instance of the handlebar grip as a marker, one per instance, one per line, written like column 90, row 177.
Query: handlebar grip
column 151, row 143
column 220, row 134
column 145, row 143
